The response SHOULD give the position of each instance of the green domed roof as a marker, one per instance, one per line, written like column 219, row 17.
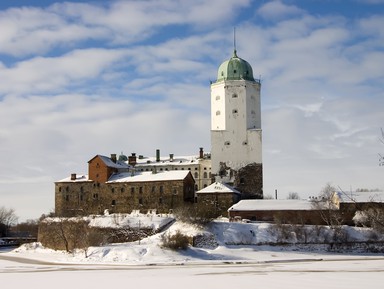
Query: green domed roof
column 235, row 69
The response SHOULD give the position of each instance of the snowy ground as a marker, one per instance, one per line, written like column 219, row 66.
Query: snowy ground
column 147, row 265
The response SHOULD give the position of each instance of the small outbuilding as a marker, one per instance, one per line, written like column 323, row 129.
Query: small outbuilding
column 285, row 211
column 218, row 196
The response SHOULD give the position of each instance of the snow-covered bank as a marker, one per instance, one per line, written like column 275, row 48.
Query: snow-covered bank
column 220, row 241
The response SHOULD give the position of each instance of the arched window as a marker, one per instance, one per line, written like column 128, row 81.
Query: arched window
column 205, row 175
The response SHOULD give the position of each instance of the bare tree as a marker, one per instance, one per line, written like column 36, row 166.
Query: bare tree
column 327, row 206
column 293, row 196
column 381, row 157
column 7, row 219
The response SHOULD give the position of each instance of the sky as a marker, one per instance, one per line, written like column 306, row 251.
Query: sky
column 81, row 78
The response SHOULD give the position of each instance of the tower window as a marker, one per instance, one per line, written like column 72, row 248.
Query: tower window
column 234, row 111
column 227, row 143
column 218, row 97
column 235, row 71
column 113, row 203
column 245, row 143
column 234, row 95
column 218, row 112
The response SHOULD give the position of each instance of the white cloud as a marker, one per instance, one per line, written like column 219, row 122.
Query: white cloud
column 40, row 74
column 276, row 9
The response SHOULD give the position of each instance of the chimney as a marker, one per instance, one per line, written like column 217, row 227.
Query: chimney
column 113, row 158
column 73, row 177
column 157, row 155
column 171, row 157
column 201, row 153
column 132, row 159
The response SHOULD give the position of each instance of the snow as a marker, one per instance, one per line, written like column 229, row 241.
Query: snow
column 234, row 256
column 148, row 176
column 269, row 205
column 218, row 188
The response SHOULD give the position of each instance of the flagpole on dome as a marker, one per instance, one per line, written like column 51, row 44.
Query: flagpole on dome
column 234, row 42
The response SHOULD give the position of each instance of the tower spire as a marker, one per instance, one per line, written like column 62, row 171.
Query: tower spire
column 234, row 42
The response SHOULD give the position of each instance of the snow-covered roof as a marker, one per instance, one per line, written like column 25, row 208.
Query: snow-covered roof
column 271, row 205
column 218, row 188
column 179, row 160
column 148, row 176
column 361, row 197
column 79, row 178
column 111, row 164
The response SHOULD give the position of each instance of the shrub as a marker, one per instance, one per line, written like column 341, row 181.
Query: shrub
column 177, row 241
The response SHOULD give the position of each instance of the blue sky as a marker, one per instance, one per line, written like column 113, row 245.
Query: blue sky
column 100, row 77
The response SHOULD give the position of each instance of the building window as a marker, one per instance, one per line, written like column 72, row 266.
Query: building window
column 153, row 189
column 227, row 143
column 242, row 181
column 218, row 97
column 205, row 175
column 234, row 95
column 245, row 143
column 59, row 189
column 113, row 203
column 112, row 190
column 161, row 189
column 140, row 190
column 218, row 112
column 196, row 175
column 160, row 200
column 66, row 189
column 234, row 111
column 67, row 198
column 122, row 190
column 95, row 196
column 140, row 201
column 132, row 190
column 234, row 71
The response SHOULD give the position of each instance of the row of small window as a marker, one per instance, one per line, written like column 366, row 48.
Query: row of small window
column 228, row 143
column 166, row 169
column 234, row 111
column 233, row 96
column 133, row 189
column 113, row 203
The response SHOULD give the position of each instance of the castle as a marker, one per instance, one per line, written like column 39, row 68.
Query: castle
column 230, row 172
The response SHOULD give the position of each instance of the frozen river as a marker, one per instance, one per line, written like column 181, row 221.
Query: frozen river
column 350, row 272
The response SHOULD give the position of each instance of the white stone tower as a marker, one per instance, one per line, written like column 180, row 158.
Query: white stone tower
column 236, row 128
